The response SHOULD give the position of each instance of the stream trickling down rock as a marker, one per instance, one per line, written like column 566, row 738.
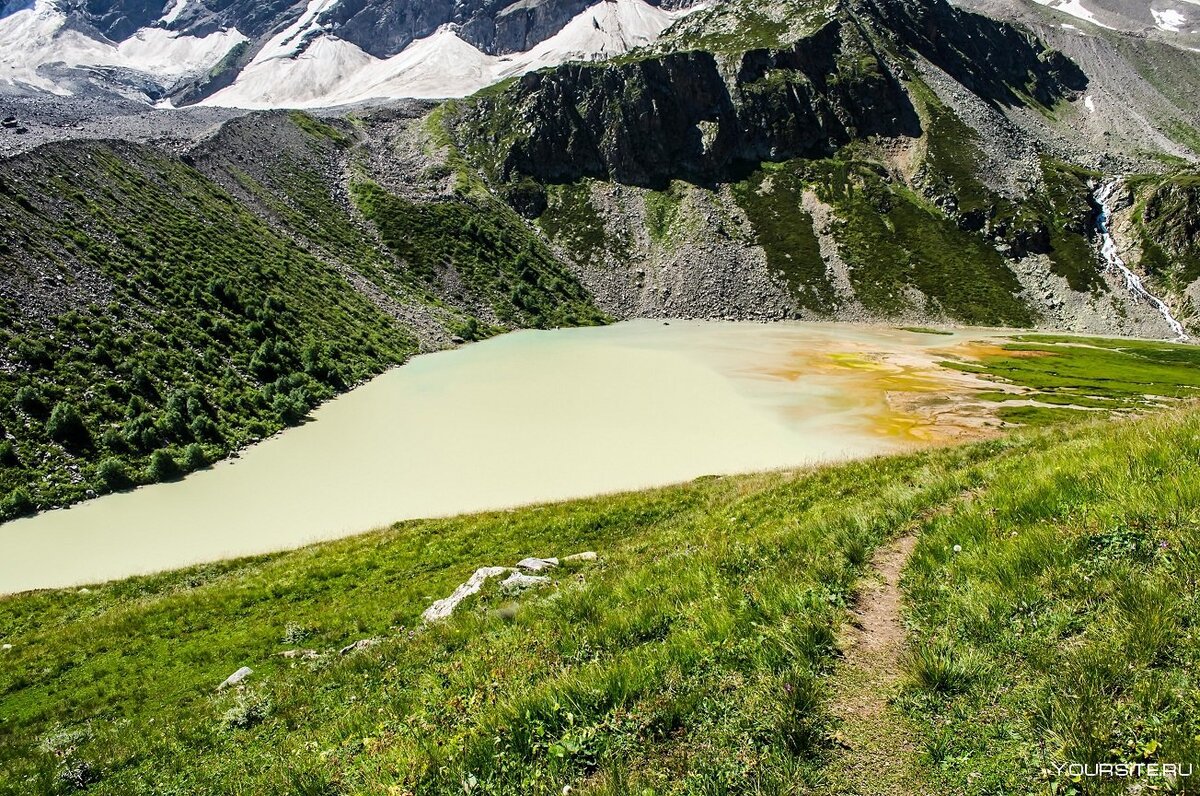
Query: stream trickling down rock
column 526, row 417
column 1108, row 249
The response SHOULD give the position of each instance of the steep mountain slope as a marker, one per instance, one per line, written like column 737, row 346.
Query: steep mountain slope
column 1156, row 225
column 849, row 159
column 1142, row 88
column 1166, row 20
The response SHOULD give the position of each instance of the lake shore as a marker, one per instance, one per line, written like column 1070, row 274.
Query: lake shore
column 526, row 418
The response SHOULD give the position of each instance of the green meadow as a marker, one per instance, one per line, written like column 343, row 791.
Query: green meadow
column 1050, row 607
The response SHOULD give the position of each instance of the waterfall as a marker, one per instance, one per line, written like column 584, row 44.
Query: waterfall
column 1108, row 250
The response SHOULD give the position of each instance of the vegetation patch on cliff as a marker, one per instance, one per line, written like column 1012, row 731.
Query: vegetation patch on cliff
column 572, row 221
column 1167, row 215
column 772, row 200
column 486, row 247
column 894, row 242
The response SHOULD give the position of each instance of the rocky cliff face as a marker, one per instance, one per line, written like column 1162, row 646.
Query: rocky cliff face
column 701, row 117
column 683, row 116
column 521, row 25
column 120, row 19
column 998, row 62
column 1157, row 228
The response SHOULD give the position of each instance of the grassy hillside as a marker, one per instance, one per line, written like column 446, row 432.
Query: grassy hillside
column 696, row 656
column 484, row 249
column 1066, row 628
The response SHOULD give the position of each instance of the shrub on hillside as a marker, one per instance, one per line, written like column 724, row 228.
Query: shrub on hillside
column 292, row 406
column 194, row 457
column 8, row 454
column 163, row 466
column 112, row 475
column 17, row 504
column 249, row 709
column 66, row 425
column 30, row 400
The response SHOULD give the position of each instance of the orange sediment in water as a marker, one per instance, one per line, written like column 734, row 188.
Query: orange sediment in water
column 906, row 395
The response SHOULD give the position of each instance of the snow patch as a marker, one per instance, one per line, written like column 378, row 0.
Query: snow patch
column 602, row 31
column 1075, row 8
column 33, row 37
column 170, row 55
column 39, row 36
column 290, row 42
column 1089, row 103
column 172, row 13
column 1170, row 19
column 331, row 71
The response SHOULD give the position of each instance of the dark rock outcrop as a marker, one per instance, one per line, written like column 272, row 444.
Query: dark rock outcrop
column 997, row 61
column 521, row 25
column 646, row 122
column 694, row 116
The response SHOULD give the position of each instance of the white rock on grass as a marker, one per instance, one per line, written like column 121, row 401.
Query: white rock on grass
column 537, row 564
column 235, row 678
column 443, row 608
column 586, row 556
column 519, row 581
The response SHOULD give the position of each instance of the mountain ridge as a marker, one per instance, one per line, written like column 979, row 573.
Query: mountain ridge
column 190, row 50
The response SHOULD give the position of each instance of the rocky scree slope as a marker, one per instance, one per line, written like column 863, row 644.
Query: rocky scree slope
column 876, row 160
column 1143, row 95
